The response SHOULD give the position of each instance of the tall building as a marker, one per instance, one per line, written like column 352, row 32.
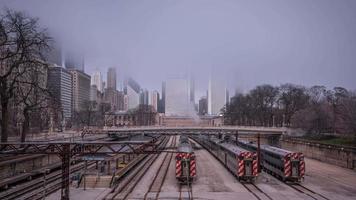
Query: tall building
column 216, row 96
column 203, row 106
column 111, row 78
column 153, row 100
column 126, row 103
column 121, row 100
column 144, row 97
column 177, row 100
column 162, row 101
column 111, row 97
column 192, row 90
column 81, row 89
column 96, row 79
column 60, row 83
column 132, row 90
column 73, row 61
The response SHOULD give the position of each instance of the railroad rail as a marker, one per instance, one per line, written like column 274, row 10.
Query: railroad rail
column 67, row 149
column 39, row 187
column 304, row 190
column 256, row 191
column 157, row 183
column 122, row 190
column 188, row 189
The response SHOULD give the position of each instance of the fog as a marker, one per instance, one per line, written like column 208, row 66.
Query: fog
column 249, row 42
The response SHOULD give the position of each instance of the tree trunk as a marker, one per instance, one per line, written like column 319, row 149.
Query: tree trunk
column 4, row 121
column 25, row 126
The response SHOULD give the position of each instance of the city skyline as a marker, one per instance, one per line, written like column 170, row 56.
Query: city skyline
column 251, row 48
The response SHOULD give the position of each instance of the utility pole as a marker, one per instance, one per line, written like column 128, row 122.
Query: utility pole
column 237, row 136
column 258, row 153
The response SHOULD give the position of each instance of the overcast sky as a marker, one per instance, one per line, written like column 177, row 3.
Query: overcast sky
column 250, row 42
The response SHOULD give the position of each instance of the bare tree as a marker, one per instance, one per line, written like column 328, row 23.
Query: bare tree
column 22, row 43
column 32, row 95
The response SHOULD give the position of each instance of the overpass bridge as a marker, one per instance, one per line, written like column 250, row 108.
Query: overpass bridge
column 268, row 135
column 249, row 130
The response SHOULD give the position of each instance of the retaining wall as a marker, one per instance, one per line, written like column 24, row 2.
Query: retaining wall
column 332, row 154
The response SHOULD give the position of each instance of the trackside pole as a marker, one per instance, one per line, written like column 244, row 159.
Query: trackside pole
column 237, row 136
column 258, row 153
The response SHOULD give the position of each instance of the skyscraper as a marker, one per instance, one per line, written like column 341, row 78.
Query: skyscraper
column 216, row 96
column 192, row 90
column 59, row 82
column 162, row 101
column 132, row 90
column 81, row 88
column 111, row 96
column 97, row 80
column 74, row 61
column 203, row 106
column 154, row 98
column 111, row 78
column 177, row 99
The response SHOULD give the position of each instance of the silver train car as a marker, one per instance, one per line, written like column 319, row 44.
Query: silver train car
column 284, row 164
column 242, row 163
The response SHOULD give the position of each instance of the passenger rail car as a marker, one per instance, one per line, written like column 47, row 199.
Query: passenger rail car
column 242, row 163
column 284, row 164
column 185, row 162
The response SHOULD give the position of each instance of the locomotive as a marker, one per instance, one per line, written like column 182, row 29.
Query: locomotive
column 185, row 162
column 284, row 164
column 242, row 163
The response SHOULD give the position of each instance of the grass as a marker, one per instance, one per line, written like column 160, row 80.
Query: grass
column 333, row 140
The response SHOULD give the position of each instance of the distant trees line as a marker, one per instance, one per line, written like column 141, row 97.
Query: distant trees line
column 315, row 109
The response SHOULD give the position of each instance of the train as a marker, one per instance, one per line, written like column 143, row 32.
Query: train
column 185, row 162
column 240, row 162
column 283, row 164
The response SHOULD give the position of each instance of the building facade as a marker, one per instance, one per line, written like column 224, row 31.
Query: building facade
column 111, row 97
column 154, row 100
column 97, row 80
column 60, row 85
column 216, row 96
column 111, row 78
column 203, row 106
column 132, row 90
column 177, row 97
column 81, row 89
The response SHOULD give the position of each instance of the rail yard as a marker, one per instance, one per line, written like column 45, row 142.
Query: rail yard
column 179, row 166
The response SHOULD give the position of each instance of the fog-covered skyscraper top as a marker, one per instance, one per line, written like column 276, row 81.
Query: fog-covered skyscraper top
column 216, row 95
column 73, row 60
column 177, row 97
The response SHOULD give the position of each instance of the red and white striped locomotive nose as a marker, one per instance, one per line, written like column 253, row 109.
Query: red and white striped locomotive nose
column 178, row 168
column 255, row 164
column 192, row 168
column 301, row 165
column 287, row 165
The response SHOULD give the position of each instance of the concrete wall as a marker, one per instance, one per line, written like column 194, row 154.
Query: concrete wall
column 336, row 155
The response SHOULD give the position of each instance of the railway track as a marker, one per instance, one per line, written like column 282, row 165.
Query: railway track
column 256, row 191
column 127, row 185
column 312, row 194
column 185, row 189
column 156, row 185
column 39, row 187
